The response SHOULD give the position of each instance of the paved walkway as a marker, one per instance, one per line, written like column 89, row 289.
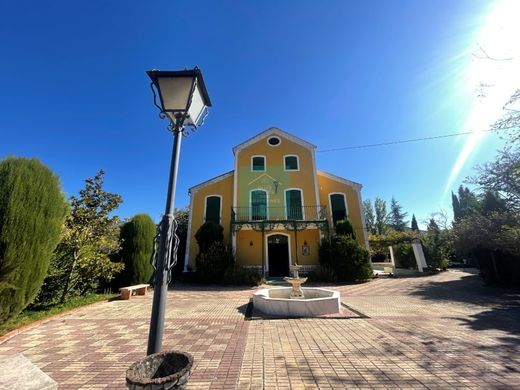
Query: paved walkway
column 443, row 331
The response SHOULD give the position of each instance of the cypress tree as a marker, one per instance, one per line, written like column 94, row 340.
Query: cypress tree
column 32, row 211
column 137, row 237
column 415, row 227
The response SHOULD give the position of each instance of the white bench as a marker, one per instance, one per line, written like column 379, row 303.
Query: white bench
column 139, row 289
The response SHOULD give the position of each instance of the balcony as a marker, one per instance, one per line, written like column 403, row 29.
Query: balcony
column 254, row 214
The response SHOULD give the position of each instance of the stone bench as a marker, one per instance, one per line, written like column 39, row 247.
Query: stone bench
column 139, row 289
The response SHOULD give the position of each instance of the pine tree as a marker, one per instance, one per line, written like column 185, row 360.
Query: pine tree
column 370, row 218
column 455, row 204
column 397, row 215
column 32, row 211
column 137, row 236
column 381, row 216
column 415, row 227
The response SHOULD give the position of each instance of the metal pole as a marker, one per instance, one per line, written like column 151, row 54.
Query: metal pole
column 167, row 230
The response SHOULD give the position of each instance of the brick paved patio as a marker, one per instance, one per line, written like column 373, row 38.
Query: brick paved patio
column 443, row 331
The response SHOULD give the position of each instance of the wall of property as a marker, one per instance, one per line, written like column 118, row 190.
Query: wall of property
column 327, row 186
column 222, row 187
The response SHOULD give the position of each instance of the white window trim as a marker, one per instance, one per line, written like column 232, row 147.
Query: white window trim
column 265, row 163
column 251, row 203
column 330, row 204
column 273, row 136
column 285, row 201
column 297, row 163
column 206, row 205
column 266, row 254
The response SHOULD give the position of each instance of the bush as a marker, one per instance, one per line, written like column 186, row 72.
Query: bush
column 346, row 258
column 137, row 237
column 32, row 211
column 209, row 233
column 321, row 274
column 237, row 275
column 212, row 264
column 404, row 256
column 344, row 228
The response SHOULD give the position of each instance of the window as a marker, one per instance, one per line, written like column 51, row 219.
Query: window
column 338, row 207
column 273, row 141
column 258, row 205
column 258, row 163
column 212, row 209
column 291, row 163
column 294, row 204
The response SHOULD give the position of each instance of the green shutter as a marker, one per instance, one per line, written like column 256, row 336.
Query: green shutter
column 258, row 205
column 293, row 202
column 213, row 209
column 339, row 209
column 291, row 163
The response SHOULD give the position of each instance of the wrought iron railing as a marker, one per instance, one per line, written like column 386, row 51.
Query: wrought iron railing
column 277, row 213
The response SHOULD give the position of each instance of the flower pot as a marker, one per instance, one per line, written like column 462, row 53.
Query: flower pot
column 164, row 370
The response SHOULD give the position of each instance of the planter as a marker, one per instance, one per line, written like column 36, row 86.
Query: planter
column 164, row 370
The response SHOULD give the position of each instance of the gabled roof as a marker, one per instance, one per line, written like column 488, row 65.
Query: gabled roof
column 211, row 181
column 340, row 179
column 273, row 131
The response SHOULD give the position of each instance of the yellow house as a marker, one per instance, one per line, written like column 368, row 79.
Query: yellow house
column 275, row 206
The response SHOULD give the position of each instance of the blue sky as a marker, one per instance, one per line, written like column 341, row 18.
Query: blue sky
column 337, row 73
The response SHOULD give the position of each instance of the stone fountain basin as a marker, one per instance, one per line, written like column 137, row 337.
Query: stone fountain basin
column 317, row 302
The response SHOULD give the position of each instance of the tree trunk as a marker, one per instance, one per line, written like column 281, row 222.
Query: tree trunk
column 69, row 277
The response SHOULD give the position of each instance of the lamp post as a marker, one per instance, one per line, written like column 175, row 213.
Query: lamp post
column 184, row 101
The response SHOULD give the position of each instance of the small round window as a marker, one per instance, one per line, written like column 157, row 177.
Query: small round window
column 273, row 141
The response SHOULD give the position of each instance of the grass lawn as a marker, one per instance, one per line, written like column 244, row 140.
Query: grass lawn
column 28, row 316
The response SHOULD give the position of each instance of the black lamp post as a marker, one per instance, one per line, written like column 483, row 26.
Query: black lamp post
column 184, row 101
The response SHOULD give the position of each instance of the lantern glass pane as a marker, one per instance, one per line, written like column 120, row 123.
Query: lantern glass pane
column 175, row 92
column 196, row 108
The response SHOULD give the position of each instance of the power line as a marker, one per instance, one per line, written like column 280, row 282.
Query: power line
column 411, row 140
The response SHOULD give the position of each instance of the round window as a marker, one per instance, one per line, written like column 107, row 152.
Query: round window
column 273, row 141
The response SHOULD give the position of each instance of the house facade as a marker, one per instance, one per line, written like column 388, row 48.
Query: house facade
column 275, row 205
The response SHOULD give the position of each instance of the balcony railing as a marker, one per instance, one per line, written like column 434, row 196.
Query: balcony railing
column 277, row 213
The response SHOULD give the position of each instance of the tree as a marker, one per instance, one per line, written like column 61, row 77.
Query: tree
column 182, row 217
column 415, row 226
column 89, row 240
column 370, row 218
column 381, row 216
column 347, row 259
column 397, row 216
column 345, row 228
column 455, row 204
column 32, row 211
column 137, row 238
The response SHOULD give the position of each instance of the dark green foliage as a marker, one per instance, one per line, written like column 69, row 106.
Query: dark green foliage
column 346, row 258
column 182, row 217
column 137, row 237
column 32, row 211
column 436, row 247
column 415, row 226
column 370, row 218
column 404, row 256
column 397, row 215
column 455, row 204
column 237, row 275
column 345, row 228
column 382, row 217
column 207, row 234
column 211, row 264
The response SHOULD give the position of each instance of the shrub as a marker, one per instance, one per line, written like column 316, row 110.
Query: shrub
column 137, row 237
column 237, row 275
column 212, row 264
column 209, row 233
column 404, row 256
column 345, row 228
column 32, row 211
column 321, row 274
column 346, row 258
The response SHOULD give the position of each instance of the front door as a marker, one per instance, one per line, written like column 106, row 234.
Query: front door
column 278, row 255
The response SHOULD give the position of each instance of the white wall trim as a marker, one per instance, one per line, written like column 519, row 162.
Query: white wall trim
column 211, row 181
column 362, row 213
column 297, row 163
column 266, row 254
column 188, row 239
column 340, row 179
column 273, row 131
column 206, row 205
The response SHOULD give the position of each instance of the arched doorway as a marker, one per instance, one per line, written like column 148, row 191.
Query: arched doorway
column 278, row 254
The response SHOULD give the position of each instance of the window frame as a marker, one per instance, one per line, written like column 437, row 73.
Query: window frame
column 274, row 136
column 330, row 206
column 265, row 163
column 206, row 207
column 297, row 163
column 302, row 202
column 251, row 204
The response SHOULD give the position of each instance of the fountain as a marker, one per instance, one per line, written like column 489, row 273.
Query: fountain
column 296, row 301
